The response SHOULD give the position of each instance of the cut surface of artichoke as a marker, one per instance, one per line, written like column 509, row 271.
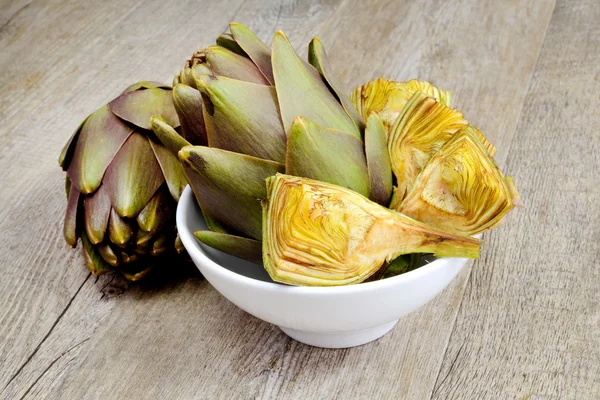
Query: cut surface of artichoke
column 319, row 234
column 461, row 189
column 388, row 98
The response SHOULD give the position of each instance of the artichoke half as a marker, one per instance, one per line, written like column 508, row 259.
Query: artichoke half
column 123, row 184
column 318, row 234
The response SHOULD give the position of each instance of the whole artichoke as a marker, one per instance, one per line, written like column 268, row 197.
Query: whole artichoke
column 259, row 112
column 123, row 184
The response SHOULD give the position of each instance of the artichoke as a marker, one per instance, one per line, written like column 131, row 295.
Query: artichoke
column 249, row 112
column 318, row 234
column 122, row 184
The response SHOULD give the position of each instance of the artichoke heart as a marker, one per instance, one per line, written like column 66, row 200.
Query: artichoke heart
column 461, row 189
column 422, row 127
column 319, row 234
column 388, row 98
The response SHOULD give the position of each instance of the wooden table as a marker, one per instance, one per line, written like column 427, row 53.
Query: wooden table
column 523, row 322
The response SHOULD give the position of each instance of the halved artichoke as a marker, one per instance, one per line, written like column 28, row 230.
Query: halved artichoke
column 319, row 234
column 388, row 98
column 461, row 189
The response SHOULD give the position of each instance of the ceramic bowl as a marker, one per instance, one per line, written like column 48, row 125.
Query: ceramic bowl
column 333, row 317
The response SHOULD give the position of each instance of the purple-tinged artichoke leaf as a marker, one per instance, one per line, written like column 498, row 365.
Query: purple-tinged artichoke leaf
column 67, row 152
column 157, row 212
column 96, row 210
column 242, row 117
column 159, row 245
column 133, row 176
column 327, row 155
column 171, row 168
column 108, row 254
column 223, row 62
column 92, row 257
column 101, row 137
column 254, row 48
column 139, row 106
column 226, row 40
column 247, row 249
column 188, row 104
column 317, row 57
column 70, row 224
column 119, row 230
column 378, row 160
column 229, row 186
column 302, row 92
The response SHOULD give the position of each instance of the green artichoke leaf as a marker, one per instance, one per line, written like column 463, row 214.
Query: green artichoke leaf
column 159, row 245
column 120, row 231
column 223, row 62
column 254, row 48
column 108, row 254
column 247, row 249
column 229, row 186
column 242, row 117
column 139, row 106
column 157, row 212
column 67, row 152
column 70, row 224
column 171, row 169
column 302, row 92
column 93, row 259
column 188, row 104
column 101, row 137
column 328, row 155
column 133, row 176
column 378, row 160
column 317, row 57
column 96, row 209
column 226, row 40
column 168, row 136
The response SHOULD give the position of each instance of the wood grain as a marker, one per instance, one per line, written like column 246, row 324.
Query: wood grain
column 66, row 334
column 529, row 323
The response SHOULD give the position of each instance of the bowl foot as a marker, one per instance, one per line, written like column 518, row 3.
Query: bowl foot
column 340, row 340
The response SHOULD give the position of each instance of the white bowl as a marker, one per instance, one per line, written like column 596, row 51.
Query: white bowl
column 333, row 317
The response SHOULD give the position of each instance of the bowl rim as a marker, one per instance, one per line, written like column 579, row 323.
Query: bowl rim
column 192, row 246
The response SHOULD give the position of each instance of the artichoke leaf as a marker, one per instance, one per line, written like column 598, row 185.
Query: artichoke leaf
column 70, row 224
column 317, row 57
column 100, row 138
column 67, row 152
column 139, row 106
column 319, row 234
column 302, row 92
column 188, row 104
column 226, row 40
column 156, row 213
column 378, row 160
column 328, row 155
column 245, row 248
column 119, row 230
column 226, row 63
column 171, row 168
column 96, row 210
column 229, row 186
column 133, row 176
column 167, row 135
column 93, row 258
column 254, row 48
column 242, row 117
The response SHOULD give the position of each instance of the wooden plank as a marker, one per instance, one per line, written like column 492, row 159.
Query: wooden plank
column 187, row 341
column 529, row 324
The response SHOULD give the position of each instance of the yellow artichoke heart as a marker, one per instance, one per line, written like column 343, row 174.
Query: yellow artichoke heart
column 318, row 234
column 388, row 98
column 461, row 189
